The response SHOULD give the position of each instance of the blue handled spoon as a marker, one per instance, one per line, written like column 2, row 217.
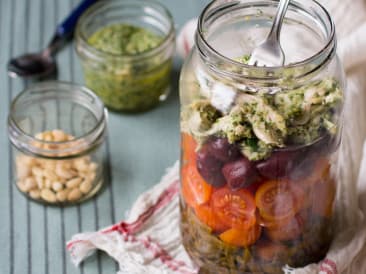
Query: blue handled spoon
column 38, row 65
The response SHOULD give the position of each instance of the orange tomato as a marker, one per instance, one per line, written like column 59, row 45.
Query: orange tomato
column 188, row 146
column 195, row 190
column 235, row 209
column 241, row 237
column 279, row 200
column 207, row 215
column 322, row 198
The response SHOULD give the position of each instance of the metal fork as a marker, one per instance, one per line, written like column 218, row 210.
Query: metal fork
column 269, row 53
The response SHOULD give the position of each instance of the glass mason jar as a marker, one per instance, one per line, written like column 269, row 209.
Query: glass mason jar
column 127, row 82
column 259, row 143
column 58, row 132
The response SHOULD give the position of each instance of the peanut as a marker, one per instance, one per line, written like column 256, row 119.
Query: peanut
column 48, row 195
column 62, row 195
column 86, row 186
column 75, row 182
column 29, row 183
column 55, row 180
column 57, row 186
column 35, row 194
column 74, row 195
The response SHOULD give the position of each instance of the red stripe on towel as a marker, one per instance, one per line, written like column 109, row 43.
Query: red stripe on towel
column 165, row 198
column 128, row 230
column 331, row 264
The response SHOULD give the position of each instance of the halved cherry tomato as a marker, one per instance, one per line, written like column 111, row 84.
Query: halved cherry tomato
column 323, row 195
column 268, row 251
column 235, row 209
column 278, row 200
column 289, row 231
column 188, row 145
column 241, row 237
column 194, row 189
column 206, row 215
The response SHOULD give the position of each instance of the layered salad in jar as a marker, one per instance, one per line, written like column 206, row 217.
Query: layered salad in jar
column 257, row 190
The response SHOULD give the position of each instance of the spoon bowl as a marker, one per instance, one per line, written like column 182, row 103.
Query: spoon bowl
column 42, row 64
column 35, row 65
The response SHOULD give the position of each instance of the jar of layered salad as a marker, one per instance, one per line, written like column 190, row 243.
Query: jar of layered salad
column 259, row 144
column 126, row 49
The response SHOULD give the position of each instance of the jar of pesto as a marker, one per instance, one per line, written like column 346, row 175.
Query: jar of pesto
column 259, row 144
column 126, row 49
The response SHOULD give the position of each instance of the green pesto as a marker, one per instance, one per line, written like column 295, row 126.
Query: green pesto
column 129, row 84
column 259, row 123
column 123, row 39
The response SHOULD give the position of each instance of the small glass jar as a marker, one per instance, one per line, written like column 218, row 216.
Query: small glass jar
column 129, row 83
column 58, row 132
column 259, row 144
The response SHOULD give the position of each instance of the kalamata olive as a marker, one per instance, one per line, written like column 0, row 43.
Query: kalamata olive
column 240, row 173
column 210, row 168
column 223, row 150
column 279, row 164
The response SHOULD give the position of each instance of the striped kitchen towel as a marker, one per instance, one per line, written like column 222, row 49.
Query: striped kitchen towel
column 148, row 241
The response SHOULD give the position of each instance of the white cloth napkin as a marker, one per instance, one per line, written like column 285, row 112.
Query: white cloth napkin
column 149, row 240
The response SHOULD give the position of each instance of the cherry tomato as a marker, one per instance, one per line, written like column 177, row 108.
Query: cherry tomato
column 188, row 145
column 241, row 237
column 289, row 231
column 206, row 215
column 323, row 198
column 236, row 209
column 194, row 189
column 278, row 200
column 268, row 251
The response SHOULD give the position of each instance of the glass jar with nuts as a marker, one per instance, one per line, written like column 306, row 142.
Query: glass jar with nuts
column 58, row 134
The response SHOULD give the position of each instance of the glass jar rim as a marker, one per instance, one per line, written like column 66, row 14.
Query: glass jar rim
column 82, row 144
column 297, row 70
column 99, row 54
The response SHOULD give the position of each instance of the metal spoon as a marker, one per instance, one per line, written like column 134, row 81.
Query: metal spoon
column 270, row 53
column 37, row 65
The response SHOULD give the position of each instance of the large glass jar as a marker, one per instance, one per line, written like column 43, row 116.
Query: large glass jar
column 259, row 143
column 58, row 133
column 126, row 49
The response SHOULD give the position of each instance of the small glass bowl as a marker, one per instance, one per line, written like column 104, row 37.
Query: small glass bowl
column 58, row 131
column 128, row 83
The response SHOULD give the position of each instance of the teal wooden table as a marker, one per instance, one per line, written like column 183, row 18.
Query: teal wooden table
column 140, row 147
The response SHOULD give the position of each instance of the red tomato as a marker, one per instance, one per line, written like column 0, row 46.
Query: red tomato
column 278, row 200
column 236, row 209
column 206, row 215
column 188, row 146
column 268, row 251
column 288, row 231
column 194, row 189
column 241, row 237
column 323, row 195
